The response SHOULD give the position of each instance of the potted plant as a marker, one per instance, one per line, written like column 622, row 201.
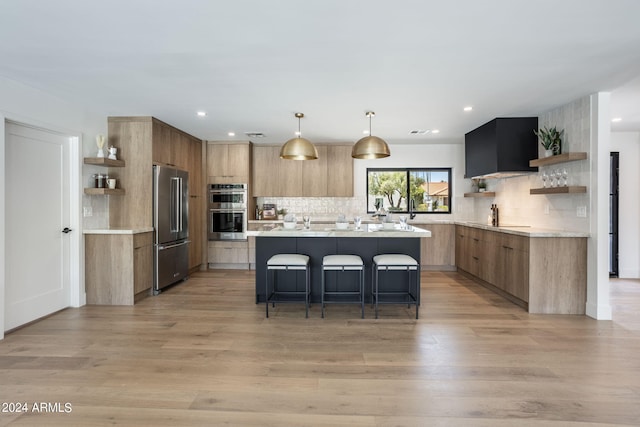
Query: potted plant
column 482, row 186
column 551, row 140
column 281, row 213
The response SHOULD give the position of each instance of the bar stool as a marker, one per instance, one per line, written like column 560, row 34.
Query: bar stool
column 389, row 262
column 287, row 262
column 342, row 263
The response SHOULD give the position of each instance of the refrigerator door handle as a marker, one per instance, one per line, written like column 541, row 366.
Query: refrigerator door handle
column 179, row 204
column 174, row 197
column 175, row 245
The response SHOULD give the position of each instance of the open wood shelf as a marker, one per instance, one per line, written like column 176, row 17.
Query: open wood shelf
column 103, row 161
column 560, row 158
column 104, row 191
column 483, row 194
column 559, row 190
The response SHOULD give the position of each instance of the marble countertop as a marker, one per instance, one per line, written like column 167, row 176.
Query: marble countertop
column 118, row 230
column 326, row 230
column 524, row 230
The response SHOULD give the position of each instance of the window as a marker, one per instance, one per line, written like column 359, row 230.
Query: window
column 429, row 190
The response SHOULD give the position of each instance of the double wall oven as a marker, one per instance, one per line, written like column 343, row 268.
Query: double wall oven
column 227, row 217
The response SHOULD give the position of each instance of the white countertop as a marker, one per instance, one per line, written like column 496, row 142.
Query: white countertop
column 523, row 230
column 118, row 230
column 325, row 230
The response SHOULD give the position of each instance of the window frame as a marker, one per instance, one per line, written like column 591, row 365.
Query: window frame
column 407, row 172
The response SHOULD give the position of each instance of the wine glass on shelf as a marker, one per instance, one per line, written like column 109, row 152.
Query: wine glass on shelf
column 565, row 177
column 545, row 179
column 554, row 178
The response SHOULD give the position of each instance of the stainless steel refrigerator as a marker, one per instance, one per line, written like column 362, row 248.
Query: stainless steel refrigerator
column 171, row 224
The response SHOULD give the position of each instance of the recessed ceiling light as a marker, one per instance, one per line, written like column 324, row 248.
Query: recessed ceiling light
column 365, row 132
column 616, row 119
column 202, row 114
column 435, row 131
column 231, row 134
column 469, row 108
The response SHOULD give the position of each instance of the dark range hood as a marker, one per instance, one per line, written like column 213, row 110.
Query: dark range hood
column 501, row 148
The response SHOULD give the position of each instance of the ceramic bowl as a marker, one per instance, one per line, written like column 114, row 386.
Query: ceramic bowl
column 289, row 225
column 342, row 225
column 388, row 225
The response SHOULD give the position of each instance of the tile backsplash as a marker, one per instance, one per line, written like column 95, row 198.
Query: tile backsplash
column 319, row 207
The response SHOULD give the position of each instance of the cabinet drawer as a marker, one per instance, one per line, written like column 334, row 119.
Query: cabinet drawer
column 511, row 241
column 142, row 239
column 228, row 253
column 228, row 256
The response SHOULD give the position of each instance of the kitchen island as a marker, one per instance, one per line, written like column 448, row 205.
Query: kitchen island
column 323, row 239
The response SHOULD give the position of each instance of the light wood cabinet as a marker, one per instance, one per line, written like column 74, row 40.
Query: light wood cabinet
column 313, row 172
column 170, row 146
column 118, row 268
column 438, row 251
column 273, row 176
column 543, row 274
column 228, row 254
column 197, row 206
column 228, row 163
column 339, row 171
column 330, row 175
column 141, row 142
column 251, row 240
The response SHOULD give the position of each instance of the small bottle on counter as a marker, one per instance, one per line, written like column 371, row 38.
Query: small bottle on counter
column 494, row 215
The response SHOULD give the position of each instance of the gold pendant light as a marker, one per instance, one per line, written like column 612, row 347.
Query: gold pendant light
column 370, row 147
column 298, row 148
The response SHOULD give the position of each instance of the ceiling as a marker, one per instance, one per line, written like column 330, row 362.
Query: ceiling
column 252, row 64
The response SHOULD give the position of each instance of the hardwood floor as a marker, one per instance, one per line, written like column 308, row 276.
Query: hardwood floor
column 203, row 354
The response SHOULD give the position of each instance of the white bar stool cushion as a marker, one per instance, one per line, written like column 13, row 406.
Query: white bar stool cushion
column 290, row 260
column 395, row 260
column 342, row 261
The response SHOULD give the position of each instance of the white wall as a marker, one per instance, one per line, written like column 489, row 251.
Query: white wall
column 30, row 106
column 628, row 145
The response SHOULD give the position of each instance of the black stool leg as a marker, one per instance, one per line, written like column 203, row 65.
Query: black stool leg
column 266, row 294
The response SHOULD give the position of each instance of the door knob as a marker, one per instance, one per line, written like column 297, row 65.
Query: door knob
column 66, row 230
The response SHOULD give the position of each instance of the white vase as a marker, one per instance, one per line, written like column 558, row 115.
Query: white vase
column 548, row 153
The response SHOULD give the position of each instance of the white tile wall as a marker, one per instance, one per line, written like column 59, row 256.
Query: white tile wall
column 319, row 207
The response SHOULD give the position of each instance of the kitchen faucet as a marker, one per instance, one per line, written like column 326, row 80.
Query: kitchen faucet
column 411, row 207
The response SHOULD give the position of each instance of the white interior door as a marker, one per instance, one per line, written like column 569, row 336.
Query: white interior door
column 37, row 210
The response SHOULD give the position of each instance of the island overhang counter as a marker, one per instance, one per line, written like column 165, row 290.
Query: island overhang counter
column 321, row 240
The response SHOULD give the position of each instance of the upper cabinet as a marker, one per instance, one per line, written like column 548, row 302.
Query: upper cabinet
column 170, row 146
column 273, row 176
column 339, row 171
column 330, row 175
column 503, row 145
column 228, row 163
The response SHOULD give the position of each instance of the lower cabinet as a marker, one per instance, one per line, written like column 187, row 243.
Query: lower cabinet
column 252, row 252
column 542, row 274
column 438, row 251
column 118, row 268
column 228, row 254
